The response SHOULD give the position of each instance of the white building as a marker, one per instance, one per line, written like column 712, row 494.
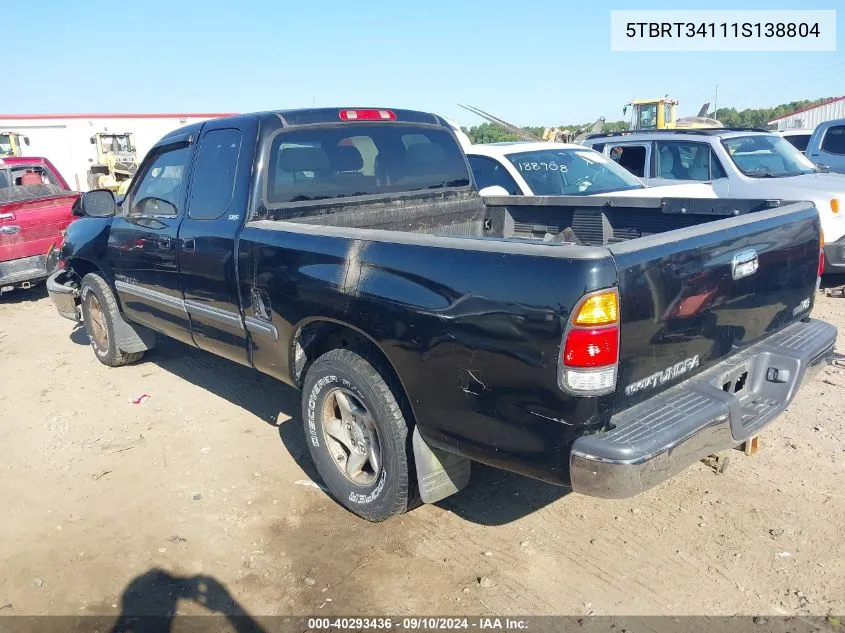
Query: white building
column 65, row 139
column 809, row 118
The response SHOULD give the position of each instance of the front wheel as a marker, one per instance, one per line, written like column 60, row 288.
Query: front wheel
column 357, row 435
column 99, row 313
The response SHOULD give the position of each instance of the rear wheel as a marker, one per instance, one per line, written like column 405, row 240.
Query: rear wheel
column 357, row 435
column 99, row 313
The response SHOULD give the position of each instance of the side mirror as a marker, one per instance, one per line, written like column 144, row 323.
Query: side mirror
column 493, row 190
column 99, row 203
column 93, row 140
column 26, row 140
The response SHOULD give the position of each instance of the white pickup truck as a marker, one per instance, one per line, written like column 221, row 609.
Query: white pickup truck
column 739, row 163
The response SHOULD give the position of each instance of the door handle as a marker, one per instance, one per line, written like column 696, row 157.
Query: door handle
column 189, row 245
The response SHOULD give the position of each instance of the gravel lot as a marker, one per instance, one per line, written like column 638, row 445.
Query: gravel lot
column 202, row 493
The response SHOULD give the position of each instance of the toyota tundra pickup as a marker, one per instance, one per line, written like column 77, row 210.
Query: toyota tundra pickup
column 35, row 209
column 599, row 343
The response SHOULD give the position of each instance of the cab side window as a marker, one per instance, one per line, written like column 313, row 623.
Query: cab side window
column 489, row 172
column 160, row 189
column 680, row 160
column 834, row 140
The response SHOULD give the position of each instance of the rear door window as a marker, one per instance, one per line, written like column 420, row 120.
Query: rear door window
column 834, row 140
column 214, row 174
column 341, row 161
column 631, row 157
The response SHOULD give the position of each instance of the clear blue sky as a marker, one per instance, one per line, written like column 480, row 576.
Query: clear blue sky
column 536, row 62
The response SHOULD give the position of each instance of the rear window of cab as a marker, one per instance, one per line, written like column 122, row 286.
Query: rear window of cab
column 362, row 159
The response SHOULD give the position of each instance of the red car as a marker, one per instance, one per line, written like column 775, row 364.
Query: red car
column 35, row 210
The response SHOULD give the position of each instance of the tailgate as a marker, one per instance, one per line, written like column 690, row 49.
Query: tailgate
column 692, row 297
column 29, row 228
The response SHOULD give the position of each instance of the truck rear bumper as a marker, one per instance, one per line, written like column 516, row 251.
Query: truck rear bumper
column 834, row 256
column 714, row 411
column 17, row 271
column 63, row 295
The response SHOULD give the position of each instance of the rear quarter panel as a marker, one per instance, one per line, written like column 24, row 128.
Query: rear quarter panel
column 473, row 334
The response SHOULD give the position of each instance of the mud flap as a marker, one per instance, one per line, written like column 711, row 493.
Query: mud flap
column 133, row 338
column 439, row 474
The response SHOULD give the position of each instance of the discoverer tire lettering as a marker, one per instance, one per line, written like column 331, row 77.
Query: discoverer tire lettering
column 353, row 378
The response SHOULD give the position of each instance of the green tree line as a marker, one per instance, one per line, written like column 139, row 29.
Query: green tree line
column 729, row 117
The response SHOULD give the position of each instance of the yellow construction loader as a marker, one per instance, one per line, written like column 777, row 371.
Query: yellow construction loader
column 115, row 164
column 662, row 114
column 11, row 143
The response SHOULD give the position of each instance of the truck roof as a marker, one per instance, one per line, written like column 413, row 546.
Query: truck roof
column 308, row 116
column 311, row 116
column 712, row 131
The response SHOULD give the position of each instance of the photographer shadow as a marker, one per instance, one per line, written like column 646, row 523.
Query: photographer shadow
column 149, row 605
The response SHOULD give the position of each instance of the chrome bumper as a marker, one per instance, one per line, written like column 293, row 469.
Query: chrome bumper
column 656, row 439
column 24, row 269
column 63, row 295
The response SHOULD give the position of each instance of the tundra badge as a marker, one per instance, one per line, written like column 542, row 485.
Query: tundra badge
column 663, row 376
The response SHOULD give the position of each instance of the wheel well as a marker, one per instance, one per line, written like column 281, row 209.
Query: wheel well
column 318, row 337
column 82, row 267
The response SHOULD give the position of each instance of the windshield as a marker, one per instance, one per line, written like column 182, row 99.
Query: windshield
column 5, row 145
column 117, row 143
column 572, row 172
column 645, row 117
column 767, row 156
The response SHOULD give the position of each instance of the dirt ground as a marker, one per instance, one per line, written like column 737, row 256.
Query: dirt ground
column 204, row 489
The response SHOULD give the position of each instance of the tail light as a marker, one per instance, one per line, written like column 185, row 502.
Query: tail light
column 590, row 351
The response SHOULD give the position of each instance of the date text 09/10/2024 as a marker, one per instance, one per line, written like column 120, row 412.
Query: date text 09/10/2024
column 419, row 623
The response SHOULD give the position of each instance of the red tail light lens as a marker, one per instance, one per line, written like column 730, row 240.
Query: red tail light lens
column 367, row 115
column 590, row 351
column 592, row 347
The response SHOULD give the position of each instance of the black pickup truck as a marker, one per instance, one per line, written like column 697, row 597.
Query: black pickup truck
column 603, row 344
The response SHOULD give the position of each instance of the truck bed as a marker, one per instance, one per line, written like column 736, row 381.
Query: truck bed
column 671, row 259
column 550, row 219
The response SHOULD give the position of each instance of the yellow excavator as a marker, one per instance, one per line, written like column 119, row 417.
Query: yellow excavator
column 116, row 162
column 662, row 114
column 11, row 143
